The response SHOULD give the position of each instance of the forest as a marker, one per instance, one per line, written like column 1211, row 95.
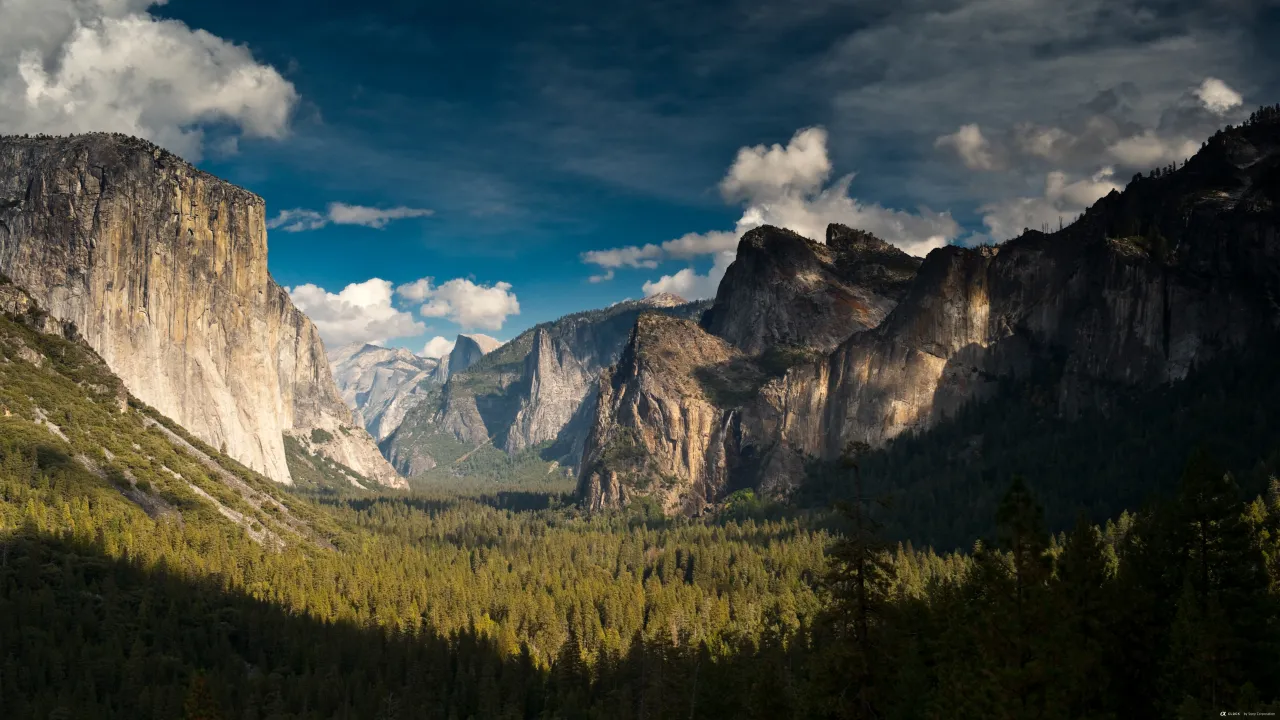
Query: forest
column 464, row 607
column 144, row 574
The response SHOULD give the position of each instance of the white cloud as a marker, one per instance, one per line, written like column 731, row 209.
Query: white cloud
column 299, row 220
column 635, row 256
column 688, row 284
column 343, row 214
column 1218, row 96
column 971, row 146
column 71, row 66
column 360, row 313
column 1062, row 201
column 782, row 186
column 761, row 173
column 1149, row 150
column 463, row 301
column 691, row 245
column 437, row 347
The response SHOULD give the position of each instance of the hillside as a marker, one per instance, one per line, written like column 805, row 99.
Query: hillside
column 66, row 416
column 163, row 269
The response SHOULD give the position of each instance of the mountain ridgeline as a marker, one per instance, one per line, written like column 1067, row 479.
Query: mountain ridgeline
column 532, row 395
column 163, row 270
column 381, row 383
column 810, row 348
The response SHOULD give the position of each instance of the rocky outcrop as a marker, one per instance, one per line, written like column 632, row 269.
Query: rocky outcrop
column 784, row 289
column 468, row 349
column 660, row 430
column 558, row 380
column 1146, row 286
column 15, row 302
column 382, row 384
column 536, row 391
column 163, row 269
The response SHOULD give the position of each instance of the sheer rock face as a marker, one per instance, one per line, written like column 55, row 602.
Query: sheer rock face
column 1147, row 285
column 784, row 289
column 467, row 351
column 556, row 381
column 557, row 392
column 382, row 384
column 539, row 389
column 657, row 432
column 163, row 269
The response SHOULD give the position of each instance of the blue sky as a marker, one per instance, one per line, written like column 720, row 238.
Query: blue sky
column 558, row 146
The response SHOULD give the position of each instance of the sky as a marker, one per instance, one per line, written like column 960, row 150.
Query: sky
column 433, row 168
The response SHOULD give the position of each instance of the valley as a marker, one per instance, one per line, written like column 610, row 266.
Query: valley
column 1034, row 479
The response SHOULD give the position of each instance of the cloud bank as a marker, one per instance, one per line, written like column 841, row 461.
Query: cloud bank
column 1082, row 158
column 300, row 220
column 784, row 186
column 373, row 312
column 70, row 66
column 437, row 347
column 462, row 301
column 360, row 313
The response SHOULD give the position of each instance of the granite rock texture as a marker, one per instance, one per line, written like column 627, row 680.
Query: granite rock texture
column 163, row 269
column 1147, row 285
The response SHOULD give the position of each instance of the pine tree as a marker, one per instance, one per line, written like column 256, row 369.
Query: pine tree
column 1081, row 588
column 1020, row 592
column 200, row 703
column 1222, row 637
column 858, row 582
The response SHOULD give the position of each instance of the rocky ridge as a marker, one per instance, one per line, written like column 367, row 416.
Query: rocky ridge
column 784, row 289
column 660, row 430
column 382, row 384
column 163, row 269
column 1180, row 268
column 535, row 392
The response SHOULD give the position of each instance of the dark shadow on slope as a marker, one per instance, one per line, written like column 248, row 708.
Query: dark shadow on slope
column 89, row 636
column 945, row 483
column 567, row 447
column 85, row 635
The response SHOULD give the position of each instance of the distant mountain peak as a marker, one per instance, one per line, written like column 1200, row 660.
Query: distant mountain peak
column 486, row 343
column 784, row 289
column 662, row 300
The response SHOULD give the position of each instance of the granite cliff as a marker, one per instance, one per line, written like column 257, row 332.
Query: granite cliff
column 660, row 430
column 669, row 423
column 784, row 289
column 534, row 393
column 382, row 384
column 1149, row 284
column 467, row 351
column 163, row 269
